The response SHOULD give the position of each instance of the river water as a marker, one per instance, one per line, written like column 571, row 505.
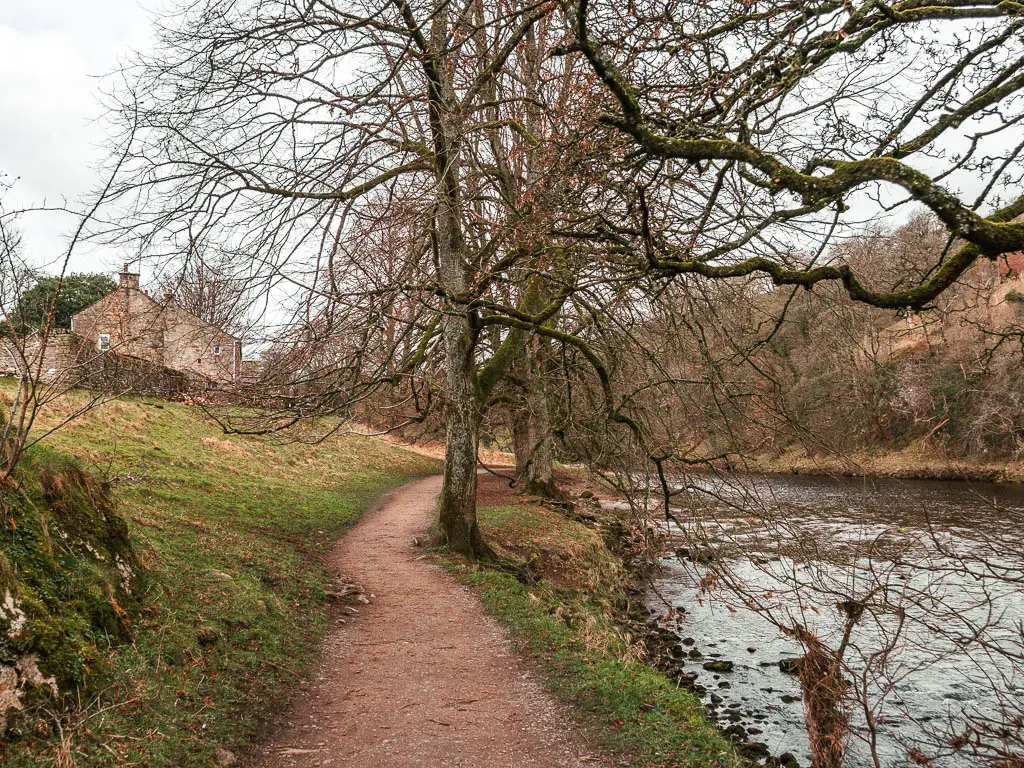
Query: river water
column 934, row 572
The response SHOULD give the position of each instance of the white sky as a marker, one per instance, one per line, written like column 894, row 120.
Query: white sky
column 52, row 56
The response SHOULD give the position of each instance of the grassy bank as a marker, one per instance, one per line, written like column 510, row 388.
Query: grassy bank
column 230, row 533
column 915, row 462
column 567, row 622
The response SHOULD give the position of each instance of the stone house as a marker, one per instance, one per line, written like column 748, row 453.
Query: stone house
column 130, row 322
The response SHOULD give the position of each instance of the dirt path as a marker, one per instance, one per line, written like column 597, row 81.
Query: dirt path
column 421, row 676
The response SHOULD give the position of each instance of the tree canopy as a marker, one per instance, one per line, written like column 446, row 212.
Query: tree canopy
column 67, row 295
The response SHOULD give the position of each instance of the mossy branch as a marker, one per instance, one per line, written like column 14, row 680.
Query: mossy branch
column 819, row 188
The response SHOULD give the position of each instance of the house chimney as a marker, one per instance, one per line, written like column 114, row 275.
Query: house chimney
column 128, row 279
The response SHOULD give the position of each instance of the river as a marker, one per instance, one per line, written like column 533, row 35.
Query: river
column 933, row 569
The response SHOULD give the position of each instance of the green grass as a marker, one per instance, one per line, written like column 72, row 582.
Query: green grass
column 566, row 623
column 209, row 659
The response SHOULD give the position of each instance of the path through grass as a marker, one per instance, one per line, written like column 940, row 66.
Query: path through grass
column 232, row 533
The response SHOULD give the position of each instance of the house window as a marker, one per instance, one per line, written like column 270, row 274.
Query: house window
column 216, row 350
column 104, row 342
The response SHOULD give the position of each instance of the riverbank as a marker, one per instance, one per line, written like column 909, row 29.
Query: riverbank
column 823, row 543
column 573, row 614
column 913, row 463
column 232, row 535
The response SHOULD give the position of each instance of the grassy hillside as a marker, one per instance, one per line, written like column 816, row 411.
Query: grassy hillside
column 230, row 533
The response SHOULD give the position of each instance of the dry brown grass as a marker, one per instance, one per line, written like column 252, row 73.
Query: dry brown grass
column 226, row 446
column 433, row 448
column 916, row 462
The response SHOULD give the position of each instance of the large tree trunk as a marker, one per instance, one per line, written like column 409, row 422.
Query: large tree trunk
column 457, row 515
column 457, row 524
column 539, row 477
column 532, row 440
column 522, row 438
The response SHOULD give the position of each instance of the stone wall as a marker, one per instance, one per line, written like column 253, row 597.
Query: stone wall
column 68, row 361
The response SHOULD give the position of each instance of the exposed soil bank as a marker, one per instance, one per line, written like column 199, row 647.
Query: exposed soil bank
column 419, row 676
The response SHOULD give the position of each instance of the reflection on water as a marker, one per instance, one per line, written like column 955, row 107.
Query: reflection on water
column 933, row 563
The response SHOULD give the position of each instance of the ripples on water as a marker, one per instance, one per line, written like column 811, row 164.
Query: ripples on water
column 939, row 560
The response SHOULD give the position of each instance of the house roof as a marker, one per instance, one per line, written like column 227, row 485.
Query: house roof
column 161, row 306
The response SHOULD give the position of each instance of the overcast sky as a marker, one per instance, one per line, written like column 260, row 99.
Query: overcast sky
column 52, row 56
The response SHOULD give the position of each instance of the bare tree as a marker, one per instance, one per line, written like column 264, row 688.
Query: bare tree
column 210, row 289
column 282, row 130
column 44, row 361
column 735, row 181
column 770, row 103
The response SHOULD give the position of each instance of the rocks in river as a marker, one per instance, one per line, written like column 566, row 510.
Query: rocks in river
column 687, row 681
column 718, row 665
column 716, row 699
column 702, row 556
column 751, row 649
column 791, row 666
column 788, row 698
column 753, row 750
column 733, row 717
column 788, row 760
column 754, row 730
column 677, row 651
column 688, row 641
column 695, row 654
column 736, row 732
column 725, row 684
